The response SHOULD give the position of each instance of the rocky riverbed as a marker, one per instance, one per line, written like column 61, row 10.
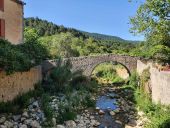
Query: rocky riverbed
column 114, row 109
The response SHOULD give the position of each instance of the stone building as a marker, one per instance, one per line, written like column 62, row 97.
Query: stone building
column 11, row 20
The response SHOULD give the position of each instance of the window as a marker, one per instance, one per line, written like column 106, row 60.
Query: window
column 2, row 5
column 2, row 28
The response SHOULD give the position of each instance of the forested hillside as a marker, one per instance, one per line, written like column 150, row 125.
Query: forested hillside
column 62, row 41
column 104, row 37
column 46, row 28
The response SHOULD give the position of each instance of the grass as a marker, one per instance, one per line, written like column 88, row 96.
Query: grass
column 106, row 73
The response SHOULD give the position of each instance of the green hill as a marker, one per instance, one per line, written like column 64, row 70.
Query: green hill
column 68, row 42
column 46, row 28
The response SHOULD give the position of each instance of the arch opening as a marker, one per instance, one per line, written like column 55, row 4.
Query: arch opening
column 110, row 72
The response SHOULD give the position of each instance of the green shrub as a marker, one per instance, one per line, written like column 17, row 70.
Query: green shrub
column 107, row 71
column 144, row 78
column 88, row 102
column 45, row 99
column 18, row 58
column 134, row 79
column 12, row 59
column 68, row 116
column 160, row 53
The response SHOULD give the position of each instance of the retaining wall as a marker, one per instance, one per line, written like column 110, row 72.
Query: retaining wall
column 18, row 83
column 160, row 82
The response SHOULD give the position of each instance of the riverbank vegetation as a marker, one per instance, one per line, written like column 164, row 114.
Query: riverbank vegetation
column 62, row 96
column 158, row 115
column 19, row 58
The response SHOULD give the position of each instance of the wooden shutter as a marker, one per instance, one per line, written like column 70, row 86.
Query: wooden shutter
column 2, row 5
column 2, row 28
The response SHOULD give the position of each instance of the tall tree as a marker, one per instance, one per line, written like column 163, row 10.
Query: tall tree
column 153, row 20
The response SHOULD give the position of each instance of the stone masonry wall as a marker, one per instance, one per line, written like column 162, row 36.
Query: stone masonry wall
column 13, row 16
column 18, row 83
column 160, row 82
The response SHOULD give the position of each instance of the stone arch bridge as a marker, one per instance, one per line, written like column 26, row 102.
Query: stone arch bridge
column 87, row 63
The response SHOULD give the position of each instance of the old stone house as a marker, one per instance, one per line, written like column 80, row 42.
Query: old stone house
column 11, row 20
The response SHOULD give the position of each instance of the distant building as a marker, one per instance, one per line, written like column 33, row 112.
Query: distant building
column 11, row 20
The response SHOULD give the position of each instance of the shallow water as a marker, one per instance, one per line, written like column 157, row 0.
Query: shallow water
column 106, row 103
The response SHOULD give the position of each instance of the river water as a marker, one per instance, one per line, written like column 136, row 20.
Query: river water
column 107, row 103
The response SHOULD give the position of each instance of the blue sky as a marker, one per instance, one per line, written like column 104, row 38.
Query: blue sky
column 100, row 16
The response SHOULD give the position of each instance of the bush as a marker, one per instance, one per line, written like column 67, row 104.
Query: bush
column 68, row 116
column 45, row 99
column 12, row 59
column 17, row 58
column 144, row 78
column 107, row 71
column 134, row 80
column 161, row 53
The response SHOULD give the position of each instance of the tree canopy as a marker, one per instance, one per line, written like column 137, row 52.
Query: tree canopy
column 153, row 20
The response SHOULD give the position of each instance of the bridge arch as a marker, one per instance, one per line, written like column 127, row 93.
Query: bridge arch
column 113, row 63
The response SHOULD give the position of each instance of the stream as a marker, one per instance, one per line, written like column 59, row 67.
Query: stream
column 107, row 103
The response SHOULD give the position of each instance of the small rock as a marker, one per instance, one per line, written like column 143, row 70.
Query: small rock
column 60, row 126
column 8, row 124
column 54, row 121
column 3, row 126
column 97, row 108
column 23, row 126
column 118, row 121
column 86, row 111
column 117, row 110
column 140, row 123
column 112, row 113
column 91, row 117
column 22, row 119
column 2, row 120
column 101, row 112
column 70, row 124
column 54, row 100
column 28, row 121
column 35, row 124
column 16, row 117
column 25, row 114
column 35, row 104
column 140, row 113
column 132, row 123
column 96, row 124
